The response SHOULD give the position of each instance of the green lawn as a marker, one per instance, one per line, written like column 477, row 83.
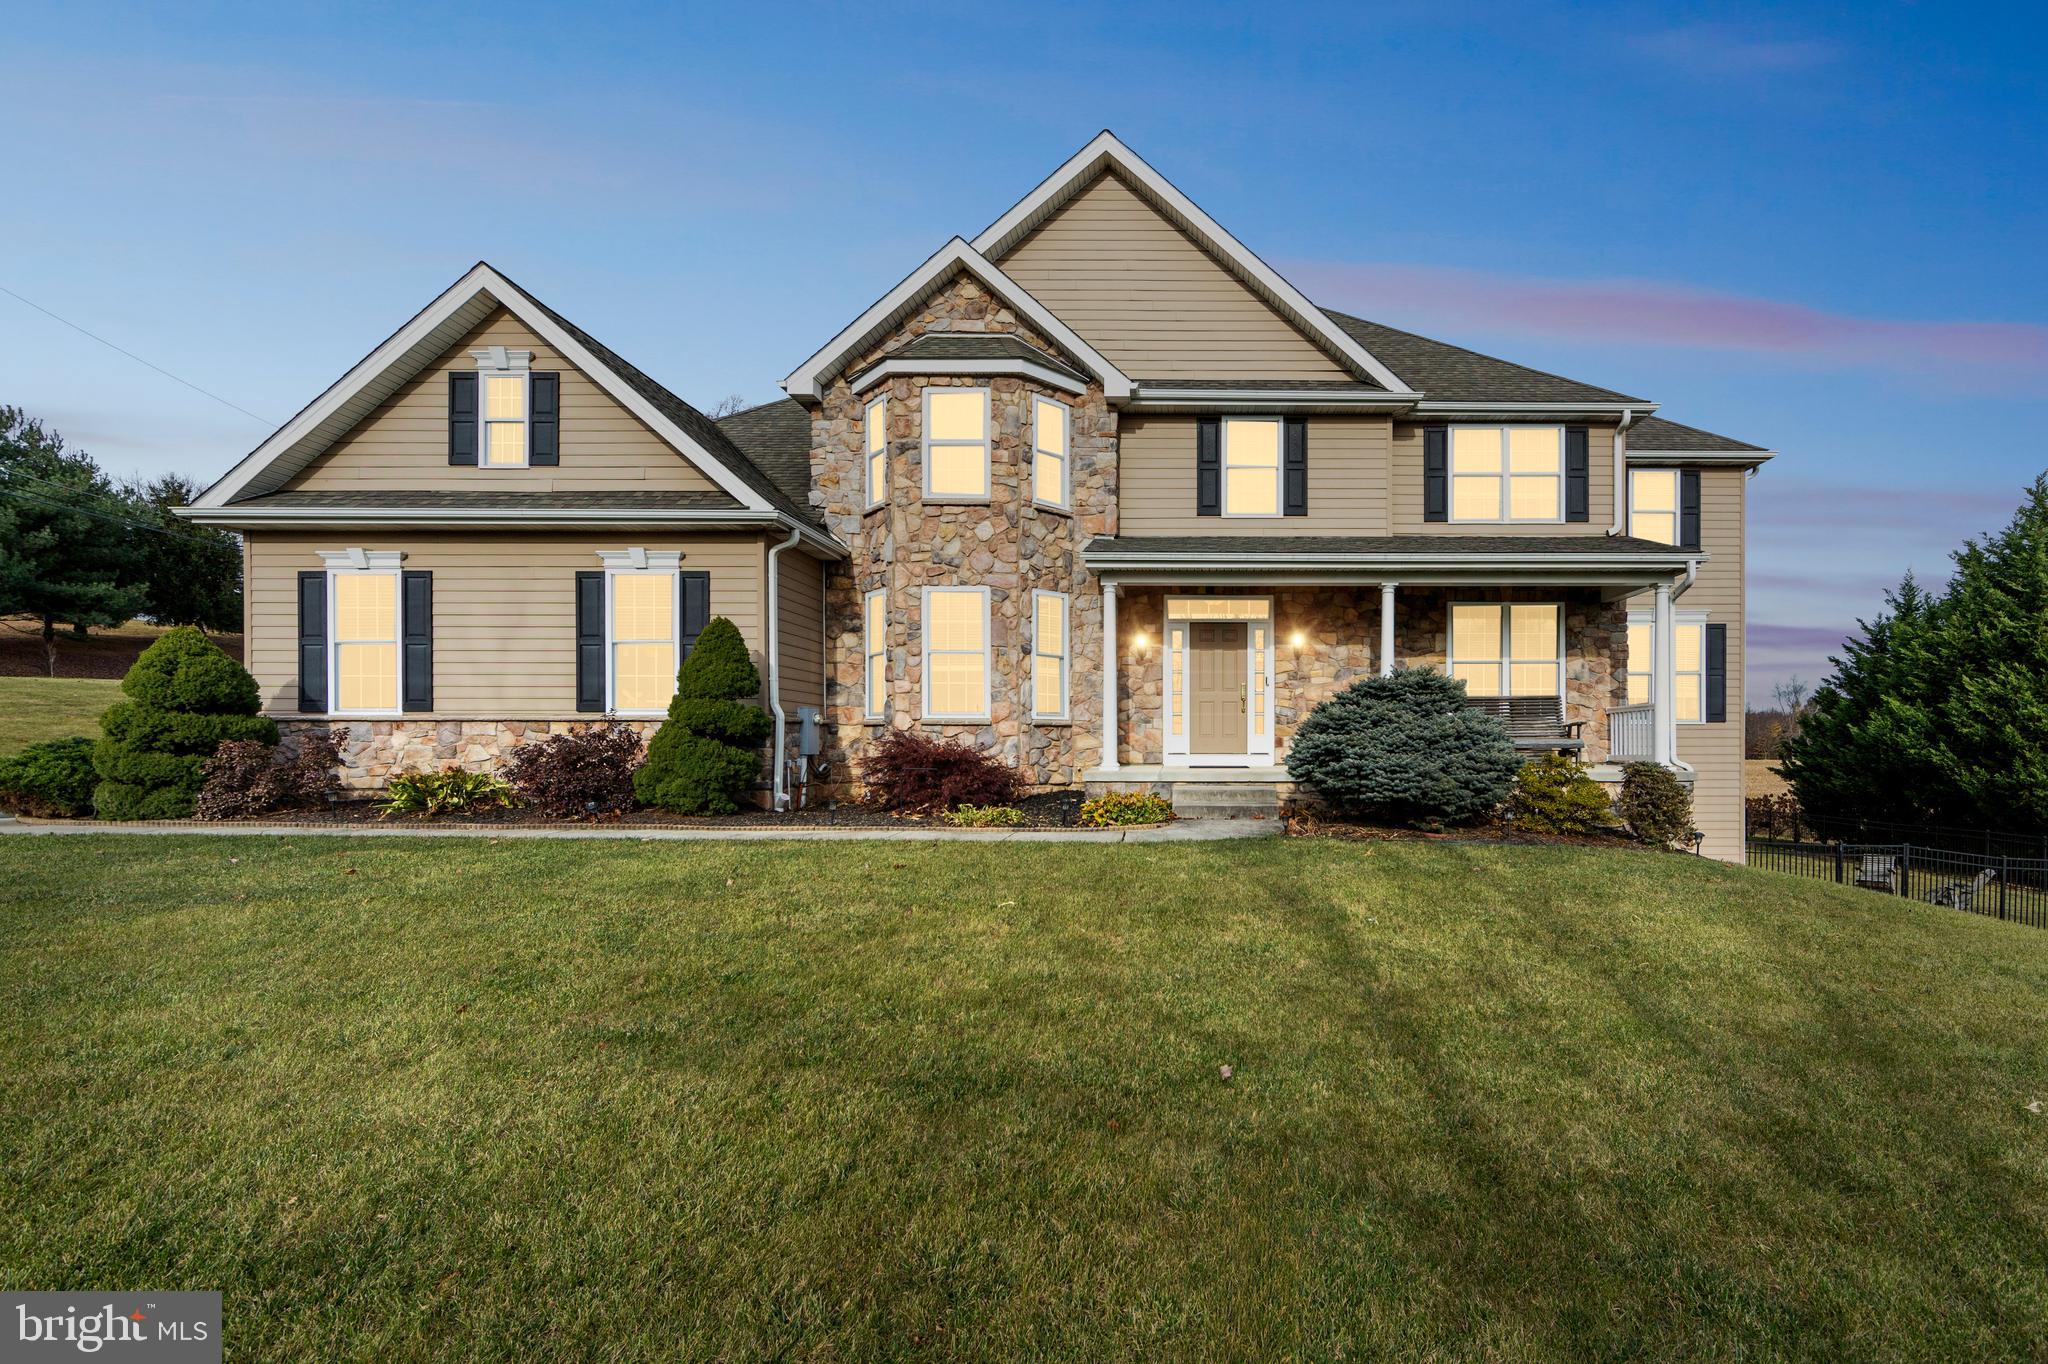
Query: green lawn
column 623, row 1101
column 36, row 708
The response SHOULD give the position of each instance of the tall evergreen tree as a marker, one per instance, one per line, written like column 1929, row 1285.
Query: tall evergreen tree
column 190, row 575
column 68, row 550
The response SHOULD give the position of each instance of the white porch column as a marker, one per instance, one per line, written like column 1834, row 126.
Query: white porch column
column 1387, row 628
column 1664, row 681
column 1109, row 653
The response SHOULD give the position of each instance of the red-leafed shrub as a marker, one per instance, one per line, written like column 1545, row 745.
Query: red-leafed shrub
column 908, row 771
column 578, row 775
column 245, row 778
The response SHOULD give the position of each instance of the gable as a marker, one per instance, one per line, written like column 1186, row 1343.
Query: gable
column 1158, row 305
column 402, row 444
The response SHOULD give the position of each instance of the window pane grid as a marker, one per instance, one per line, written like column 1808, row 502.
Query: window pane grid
column 877, row 433
column 643, row 654
column 1653, row 505
column 1251, row 467
column 1049, row 429
column 1049, row 655
column 956, row 652
column 956, row 442
column 366, row 641
column 1512, row 649
column 1507, row 473
column 1689, row 676
column 876, row 630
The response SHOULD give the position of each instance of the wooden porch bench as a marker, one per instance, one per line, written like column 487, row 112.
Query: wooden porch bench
column 1535, row 723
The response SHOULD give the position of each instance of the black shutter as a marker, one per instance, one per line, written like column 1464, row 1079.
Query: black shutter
column 1295, row 467
column 1575, row 475
column 417, row 632
column 1688, row 509
column 1717, row 673
column 313, row 642
column 1208, row 467
column 462, row 419
column 544, row 419
column 696, row 608
column 1436, row 473
column 590, row 640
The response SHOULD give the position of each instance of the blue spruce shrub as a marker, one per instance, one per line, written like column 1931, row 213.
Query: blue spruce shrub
column 1405, row 748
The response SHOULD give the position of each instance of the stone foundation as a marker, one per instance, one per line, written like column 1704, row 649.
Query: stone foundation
column 374, row 751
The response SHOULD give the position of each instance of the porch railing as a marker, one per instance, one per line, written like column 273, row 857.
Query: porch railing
column 1631, row 733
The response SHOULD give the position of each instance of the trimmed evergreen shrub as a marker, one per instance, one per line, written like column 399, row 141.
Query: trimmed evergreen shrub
column 1405, row 747
column 706, row 755
column 578, row 775
column 1553, row 795
column 911, row 771
column 51, row 780
column 1654, row 804
column 245, row 778
column 185, row 699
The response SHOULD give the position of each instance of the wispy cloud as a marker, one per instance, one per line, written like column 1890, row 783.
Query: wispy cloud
column 1949, row 513
column 2002, row 356
column 1720, row 51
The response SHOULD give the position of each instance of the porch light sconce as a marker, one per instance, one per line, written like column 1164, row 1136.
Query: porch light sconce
column 1297, row 639
column 1140, row 642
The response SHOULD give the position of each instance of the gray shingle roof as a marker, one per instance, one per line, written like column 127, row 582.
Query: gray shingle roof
column 979, row 346
column 1265, row 385
column 777, row 437
column 1654, row 433
column 1231, row 546
column 667, row 500
column 1447, row 373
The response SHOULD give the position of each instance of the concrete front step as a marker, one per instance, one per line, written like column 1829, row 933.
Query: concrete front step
column 1231, row 800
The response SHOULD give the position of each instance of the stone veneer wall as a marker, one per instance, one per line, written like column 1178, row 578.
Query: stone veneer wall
column 1341, row 632
column 374, row 751
column 1008, row 544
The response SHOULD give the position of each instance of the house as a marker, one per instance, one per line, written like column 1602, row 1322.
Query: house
column 1103, row 419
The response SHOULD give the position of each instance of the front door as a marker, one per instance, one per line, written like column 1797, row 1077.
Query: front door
column 1216, row 678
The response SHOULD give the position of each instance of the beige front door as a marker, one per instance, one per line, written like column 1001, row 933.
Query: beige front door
column 1216, row 673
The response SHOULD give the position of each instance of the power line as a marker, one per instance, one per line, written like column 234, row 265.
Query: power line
column 53, row 505
column 136, row 358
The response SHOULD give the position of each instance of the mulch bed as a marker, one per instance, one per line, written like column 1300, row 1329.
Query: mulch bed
column 1308, row 824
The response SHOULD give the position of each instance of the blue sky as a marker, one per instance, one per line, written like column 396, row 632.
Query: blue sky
column 1817, row 229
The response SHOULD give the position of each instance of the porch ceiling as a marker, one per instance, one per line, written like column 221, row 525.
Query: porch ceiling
column 1619, row 564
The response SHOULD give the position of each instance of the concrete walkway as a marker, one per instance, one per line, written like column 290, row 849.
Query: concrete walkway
column 1181, row 831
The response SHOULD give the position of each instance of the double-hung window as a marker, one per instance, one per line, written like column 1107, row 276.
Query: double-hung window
column 875, row 435
column 956, row 444
column 1653, row 505
column 956, row 653
column 874, row 629
column 1049, row 634
column 1507, row 649
column 1689, row 670
column 1507, row 473
column 502, row 443
column 1251, row 466
column 1051, row 424
column 643, row 640
column 365, row 640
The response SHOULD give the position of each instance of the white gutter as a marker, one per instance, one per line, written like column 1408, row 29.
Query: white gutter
column 779, row 795
column 1629, row 418
column 504, row 517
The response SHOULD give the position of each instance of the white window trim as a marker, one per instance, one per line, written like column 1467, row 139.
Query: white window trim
column 1279, row 466
column 1677, row 512
column 924, row 633
column 1178, row 748
column 1679, row 621
column 383, row 563
column 1506, row 500
column 640, row 562
column 875, row 497
column 987, row 443
column 501, row 363
column 874, row 708
column 1066, row 657
column 1064, row 502
column 1505, row 659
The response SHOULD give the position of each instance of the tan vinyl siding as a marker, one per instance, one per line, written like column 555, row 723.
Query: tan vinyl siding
column 1347, row 481
column 1406, row 482
column 1715, row 751
column 504, row 609
column 1139, row 290
column 404, row 443
column 801, row 624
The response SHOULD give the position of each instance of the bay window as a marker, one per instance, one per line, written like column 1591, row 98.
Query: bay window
column 956, row 444
column 1050, row 428
column 1507, row 473
column 956, row 653
column 1049, row 634
column 875, row 646
column 1508, row 648
column 875, row 432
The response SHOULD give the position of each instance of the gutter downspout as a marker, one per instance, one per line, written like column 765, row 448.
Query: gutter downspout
column 1628, row 419
column 779, row 795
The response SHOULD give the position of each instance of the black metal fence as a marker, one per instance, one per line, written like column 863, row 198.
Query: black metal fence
column 1999, row 886
column 1779, row 818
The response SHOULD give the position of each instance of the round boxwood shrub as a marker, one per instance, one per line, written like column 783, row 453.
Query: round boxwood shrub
column 1654, row 804
column 185, row 698
column 54, row 779
column 1553, row 795
column 1405, row 747
column 703, row 759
